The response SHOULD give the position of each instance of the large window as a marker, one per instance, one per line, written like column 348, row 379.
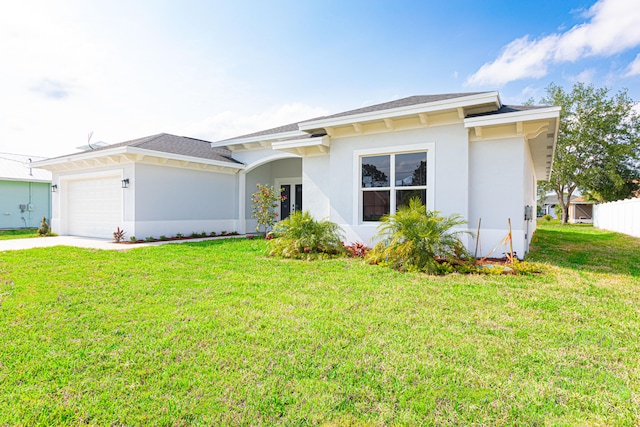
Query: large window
column 390, row 181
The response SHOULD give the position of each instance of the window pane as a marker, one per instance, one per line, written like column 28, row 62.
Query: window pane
column 376, row 171
column 411, row 169
column 375, row 204
column 403, row 197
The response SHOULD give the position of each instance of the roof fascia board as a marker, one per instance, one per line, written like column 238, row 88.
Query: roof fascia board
column 181, row 157
column 465, row 101
column 47, row 181
column 135, row 150
column 259, row 138
column 80, row 156
column 517, row 116
column 307, row 142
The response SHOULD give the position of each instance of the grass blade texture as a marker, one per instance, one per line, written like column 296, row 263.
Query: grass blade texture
column 218, row 333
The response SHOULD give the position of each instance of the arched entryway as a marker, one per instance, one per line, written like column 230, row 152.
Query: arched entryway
column 284, row 173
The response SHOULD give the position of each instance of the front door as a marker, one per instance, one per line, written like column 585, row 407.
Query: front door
column 292, row 192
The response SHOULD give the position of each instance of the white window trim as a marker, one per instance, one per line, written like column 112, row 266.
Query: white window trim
column 429, row 147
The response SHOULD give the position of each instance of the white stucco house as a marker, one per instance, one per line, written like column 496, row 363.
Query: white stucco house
column 463, row 153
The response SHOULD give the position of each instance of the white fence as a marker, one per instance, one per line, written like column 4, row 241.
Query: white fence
column 622, row 216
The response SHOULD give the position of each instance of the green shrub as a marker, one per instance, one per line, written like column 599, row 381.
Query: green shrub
column 527, row 267
column 44, row 229
column 415, row 239
column 547, row 217
column 558, row 210
column 301, row 236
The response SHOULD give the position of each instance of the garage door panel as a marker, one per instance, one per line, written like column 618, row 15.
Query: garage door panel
column 94, row 206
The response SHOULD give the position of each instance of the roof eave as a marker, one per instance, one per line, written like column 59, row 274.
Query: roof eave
column 135, row 150
column 183, row 158
column 48, row 181
column 259, row 138
column 445, row 104
column 516, row 116
column 79, row 156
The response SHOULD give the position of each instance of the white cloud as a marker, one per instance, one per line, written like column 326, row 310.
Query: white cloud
column 65, row 73
column 529, row 92
column 520, row 59
column 634, row 67
column 586, row 76
column 229, row 124
column 52, row 89
column 612, row 28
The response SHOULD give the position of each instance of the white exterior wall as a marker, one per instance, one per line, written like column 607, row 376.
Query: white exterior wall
column 172, row 200
column 447, row 183
column 497, row 194
column 316, row 186
column 622, row 216
column 530, row 186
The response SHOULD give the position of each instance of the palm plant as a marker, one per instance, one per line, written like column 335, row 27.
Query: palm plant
column 301, row 236
column 415, row 239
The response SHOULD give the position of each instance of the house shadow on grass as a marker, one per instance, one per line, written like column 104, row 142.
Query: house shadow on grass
column 587, row 248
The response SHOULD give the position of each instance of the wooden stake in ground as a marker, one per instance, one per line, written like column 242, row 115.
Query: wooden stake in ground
column 475, row 253
column 510, row 242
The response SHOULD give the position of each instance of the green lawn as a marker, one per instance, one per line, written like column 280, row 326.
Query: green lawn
column 216, row 333
column 21, row 233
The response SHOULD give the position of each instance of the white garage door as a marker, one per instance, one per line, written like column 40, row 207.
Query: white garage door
column 94, row 207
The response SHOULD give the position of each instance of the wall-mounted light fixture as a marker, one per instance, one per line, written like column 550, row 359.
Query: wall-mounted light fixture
column 125, row 183
column 54, row 188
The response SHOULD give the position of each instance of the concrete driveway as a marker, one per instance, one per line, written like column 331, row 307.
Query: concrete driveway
column 82, row 242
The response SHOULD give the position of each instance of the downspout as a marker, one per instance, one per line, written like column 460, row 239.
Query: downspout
column 242, row 184
column 30, row 200
column 30, row 192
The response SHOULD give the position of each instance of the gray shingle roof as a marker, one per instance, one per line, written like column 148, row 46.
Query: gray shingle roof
column 509, row 109
column 404, row 102
column 291, row 127
column 182, row 145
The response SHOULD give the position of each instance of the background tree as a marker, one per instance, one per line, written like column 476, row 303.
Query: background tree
column 378, row 178
column 598, row 149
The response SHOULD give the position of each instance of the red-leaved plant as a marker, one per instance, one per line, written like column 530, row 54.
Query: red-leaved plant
column 118, row 235
column 357, row 250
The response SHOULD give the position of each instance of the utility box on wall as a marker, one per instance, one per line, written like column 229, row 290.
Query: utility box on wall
column 25, row 192
column 528, row 213
column 23, row 204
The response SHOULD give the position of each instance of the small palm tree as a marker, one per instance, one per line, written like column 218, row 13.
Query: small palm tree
column 301, row 236
column 416, row 239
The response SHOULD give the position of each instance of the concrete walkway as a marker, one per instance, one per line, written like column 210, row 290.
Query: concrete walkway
column 84, row 242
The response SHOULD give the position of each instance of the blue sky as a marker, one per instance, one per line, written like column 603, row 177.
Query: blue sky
column 217, row 69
